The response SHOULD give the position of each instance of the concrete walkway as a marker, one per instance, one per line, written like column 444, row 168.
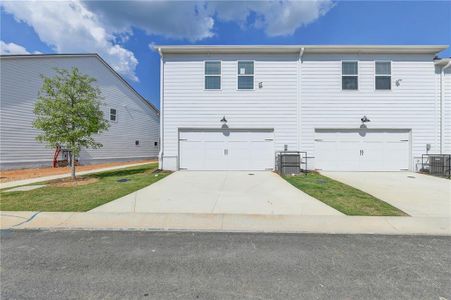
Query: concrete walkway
column 418, row 195
column 219, row 192
column 11, row 184
column 226, row 222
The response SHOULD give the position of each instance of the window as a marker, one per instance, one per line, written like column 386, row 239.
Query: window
column 245, row 75
column 349, row 75
column 212, row 75
column 383, row 75
column 113, row 115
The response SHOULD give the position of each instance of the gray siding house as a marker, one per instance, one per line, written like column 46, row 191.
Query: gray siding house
column 134, row 130
column 233, row 107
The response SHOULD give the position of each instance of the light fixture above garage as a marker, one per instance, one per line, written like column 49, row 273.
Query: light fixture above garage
column 223, row 120
column 365, row 120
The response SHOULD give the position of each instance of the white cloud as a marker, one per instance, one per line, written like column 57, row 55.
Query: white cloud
column 174, row 19
column 274, row 17
column 194, row 20
column 69, row 27
column 12, row 48
column 101, row 26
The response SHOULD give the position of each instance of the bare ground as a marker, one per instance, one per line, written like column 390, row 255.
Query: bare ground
column 12, row 175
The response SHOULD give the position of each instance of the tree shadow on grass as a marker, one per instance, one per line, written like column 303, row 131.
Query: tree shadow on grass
column 121, row 173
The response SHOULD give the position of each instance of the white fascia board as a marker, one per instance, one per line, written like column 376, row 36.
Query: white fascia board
column 194, row 49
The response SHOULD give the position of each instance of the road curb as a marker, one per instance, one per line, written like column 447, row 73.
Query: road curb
column 227, row 223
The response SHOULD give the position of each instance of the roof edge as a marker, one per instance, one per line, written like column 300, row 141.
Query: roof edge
column 432, row 49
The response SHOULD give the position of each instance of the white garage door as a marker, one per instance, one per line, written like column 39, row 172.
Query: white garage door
column 362, row 150
column 227, row 150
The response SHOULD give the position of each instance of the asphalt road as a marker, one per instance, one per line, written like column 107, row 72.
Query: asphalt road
column 167, row 265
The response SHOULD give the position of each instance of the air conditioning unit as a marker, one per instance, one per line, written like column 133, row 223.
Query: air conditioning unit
column 439, row 164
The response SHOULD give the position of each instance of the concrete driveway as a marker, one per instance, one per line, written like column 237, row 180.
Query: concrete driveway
column 416, row 194
column 220, row 193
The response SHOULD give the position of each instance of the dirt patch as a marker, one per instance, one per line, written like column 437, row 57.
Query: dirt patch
column 12, row 175
column 68, row 182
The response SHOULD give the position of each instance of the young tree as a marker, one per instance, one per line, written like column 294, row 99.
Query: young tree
column 68, row 112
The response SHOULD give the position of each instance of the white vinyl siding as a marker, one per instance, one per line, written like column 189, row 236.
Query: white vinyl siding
column 411, row 105
column 20, row 84
column 186, row 105
column 294, row 109
column 383, row 75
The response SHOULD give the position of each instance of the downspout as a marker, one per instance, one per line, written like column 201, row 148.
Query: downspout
column 442, row 105
column 299, row 62
column 160, row 155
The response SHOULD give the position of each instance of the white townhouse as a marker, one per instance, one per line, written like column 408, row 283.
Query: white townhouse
column 351, row 108
column 134, row 122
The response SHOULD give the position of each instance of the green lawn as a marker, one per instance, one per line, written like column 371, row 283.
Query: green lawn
column 82, row 197
column 342, row 197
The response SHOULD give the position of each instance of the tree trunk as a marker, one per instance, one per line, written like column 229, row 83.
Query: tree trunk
column 73, row 164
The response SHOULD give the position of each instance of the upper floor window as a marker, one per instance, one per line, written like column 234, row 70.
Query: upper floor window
column 245, row 75
column 383, row 75
column 349, row 75
column 113, row 115
column 212, row 75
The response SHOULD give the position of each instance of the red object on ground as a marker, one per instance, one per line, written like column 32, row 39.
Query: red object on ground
column 55, row 156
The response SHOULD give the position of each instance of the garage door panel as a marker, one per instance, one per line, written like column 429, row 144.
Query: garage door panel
column 362, row 150
column 239, row 155
column 373, row 156
column 262, row 154
column 226, row 150
column 212, row 156
column 326, row 150
column 193, row 154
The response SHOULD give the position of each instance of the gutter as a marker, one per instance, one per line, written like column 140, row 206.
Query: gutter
column 298, row 92
column 442, row 105
column 161, row 154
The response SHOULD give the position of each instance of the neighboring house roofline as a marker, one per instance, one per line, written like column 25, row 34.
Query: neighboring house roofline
column 86, row 55
column 192, row 49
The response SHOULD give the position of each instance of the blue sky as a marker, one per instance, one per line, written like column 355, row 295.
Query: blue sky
column 123, row 32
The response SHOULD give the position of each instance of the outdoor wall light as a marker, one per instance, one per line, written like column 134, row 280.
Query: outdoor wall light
column 223, row 120
column 260, row 85
column 365, row 120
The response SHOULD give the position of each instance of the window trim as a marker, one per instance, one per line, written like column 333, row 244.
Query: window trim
column 391, row 75
column 238, row 75
column 220, row 75
column 115, row 115
column 358, row 72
